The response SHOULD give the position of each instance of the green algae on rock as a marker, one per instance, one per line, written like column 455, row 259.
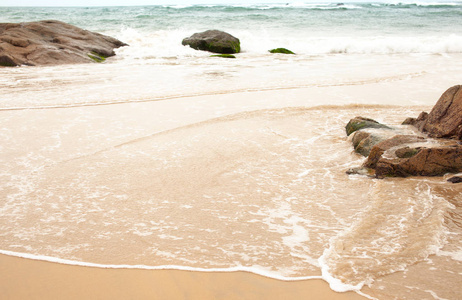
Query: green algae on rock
column 360, row 123
column 215, row 41
column 223, row 55
column 97, row 57
column 281, row 50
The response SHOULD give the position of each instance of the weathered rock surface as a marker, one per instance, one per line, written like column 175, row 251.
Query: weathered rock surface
column 365, row 140
column 425, row 162
column 52, row 43
column 414, row 155
column 391, row 144
column 445, row 119
column 214, row 41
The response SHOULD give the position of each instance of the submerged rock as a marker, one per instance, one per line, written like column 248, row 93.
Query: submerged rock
column 214, row 41
column 281, row 50
column 365, row 140
column 223, row 55
column 51, row 43
column 361, row 123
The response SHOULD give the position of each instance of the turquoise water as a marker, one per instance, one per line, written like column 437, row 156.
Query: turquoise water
column 384, row 27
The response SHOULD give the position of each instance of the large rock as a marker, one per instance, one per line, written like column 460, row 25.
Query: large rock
column 51, row 43
column 214, row 41
column 432, row 161
column 408, row 155
column 445, row 119
column 394, row 145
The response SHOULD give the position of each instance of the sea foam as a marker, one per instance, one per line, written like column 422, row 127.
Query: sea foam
column 258, row 270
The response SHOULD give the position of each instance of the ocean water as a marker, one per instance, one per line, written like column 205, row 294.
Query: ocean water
column 164, row 157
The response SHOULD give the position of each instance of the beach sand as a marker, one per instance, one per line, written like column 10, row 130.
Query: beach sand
column 22, row 278
column 32, row 279
column 70, row 135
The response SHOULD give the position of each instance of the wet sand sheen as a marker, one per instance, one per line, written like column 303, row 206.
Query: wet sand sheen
column 31, row 279
column 305, row 144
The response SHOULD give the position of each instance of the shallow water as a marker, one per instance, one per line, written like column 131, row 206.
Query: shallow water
column 263, row 190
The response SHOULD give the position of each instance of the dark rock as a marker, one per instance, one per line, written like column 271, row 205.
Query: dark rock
column 409, row 121
column 361, row 171
column 455, row 179
column 418, row 122
column 51, row 43
column 434, row 161
column 214, row 41
column 361, row 123
column 281, row 50
column 359, row 136
column 7, row 61
column 445, row 119
column 364, row 140
column 379, row 149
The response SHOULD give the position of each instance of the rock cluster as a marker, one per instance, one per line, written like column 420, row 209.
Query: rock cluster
column 221, row 42
column 51, row 43
column 435, row 150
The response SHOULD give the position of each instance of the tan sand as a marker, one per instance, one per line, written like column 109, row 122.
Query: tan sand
column 31, row 279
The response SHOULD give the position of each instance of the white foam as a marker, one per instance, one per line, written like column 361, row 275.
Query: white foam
column 299, row 233
column 163, row 45
column 335, row 283
column 456, row 255
column 425, row 3
column 304, row 173
column 178, row 6
column 254, row 269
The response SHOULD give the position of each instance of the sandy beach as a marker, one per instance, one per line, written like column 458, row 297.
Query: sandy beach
column 31, row 279
column 146, row 125
column 164, row 173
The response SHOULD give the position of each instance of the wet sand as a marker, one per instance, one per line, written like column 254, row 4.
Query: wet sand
column 70, row 135
column 22, row 278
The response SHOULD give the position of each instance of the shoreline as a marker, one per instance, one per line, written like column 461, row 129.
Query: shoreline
column 23, row 278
